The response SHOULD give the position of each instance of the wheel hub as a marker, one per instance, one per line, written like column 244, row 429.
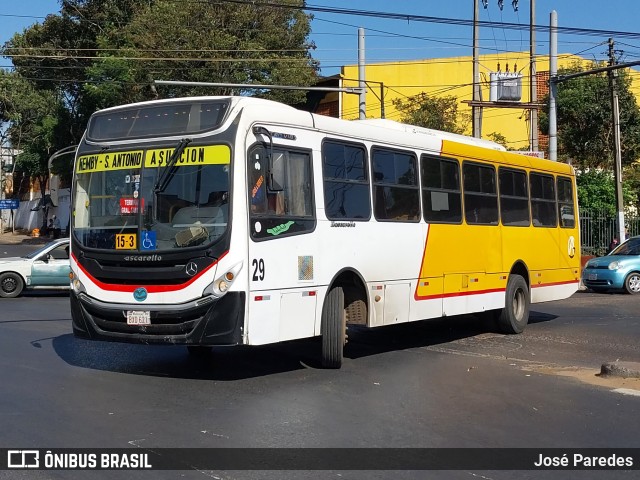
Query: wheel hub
column 9, row 285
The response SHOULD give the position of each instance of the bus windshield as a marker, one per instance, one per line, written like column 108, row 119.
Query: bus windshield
column 117, row 204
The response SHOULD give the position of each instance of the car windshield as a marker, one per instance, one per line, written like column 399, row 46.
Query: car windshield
column 39, row 251
column 630, row 247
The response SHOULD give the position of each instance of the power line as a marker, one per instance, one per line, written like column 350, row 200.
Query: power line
column 442, row 20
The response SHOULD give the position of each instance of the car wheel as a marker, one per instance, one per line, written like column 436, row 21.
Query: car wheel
column 515, row 314
column 11, row 285
column 333, row 328
column 632, row 283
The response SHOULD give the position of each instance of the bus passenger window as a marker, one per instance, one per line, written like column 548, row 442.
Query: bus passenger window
column 441, row 197
column 395, row 185
column 480, row 195
column 543, row 200
column 346, row 181
column 514, row 197
column 565, row 203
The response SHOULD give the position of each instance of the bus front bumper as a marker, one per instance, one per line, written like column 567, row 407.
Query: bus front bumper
column 206, row 321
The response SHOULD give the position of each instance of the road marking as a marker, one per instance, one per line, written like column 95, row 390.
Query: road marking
column 627, row 391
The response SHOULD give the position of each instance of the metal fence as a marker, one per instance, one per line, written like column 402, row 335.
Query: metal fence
column 597, row 230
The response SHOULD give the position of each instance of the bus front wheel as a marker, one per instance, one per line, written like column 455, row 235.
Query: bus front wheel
column 333, row 328
column 515, row 315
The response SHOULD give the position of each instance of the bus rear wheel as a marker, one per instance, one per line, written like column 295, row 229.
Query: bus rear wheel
column 515, row 315
column 333, row 328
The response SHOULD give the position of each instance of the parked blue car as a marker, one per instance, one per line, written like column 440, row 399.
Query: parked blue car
column 618, row 270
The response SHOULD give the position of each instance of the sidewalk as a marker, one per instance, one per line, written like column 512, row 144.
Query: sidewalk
column 21, row 238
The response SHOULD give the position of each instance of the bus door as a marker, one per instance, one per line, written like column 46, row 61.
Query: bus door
column 282, row 250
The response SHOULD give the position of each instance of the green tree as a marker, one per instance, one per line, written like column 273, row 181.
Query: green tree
column 584, row 119
column 439, row 113
column 596, row 191
column 498, row 138
column 223, row 43
column 56, row 55
column 100, row 53
column 32, row 120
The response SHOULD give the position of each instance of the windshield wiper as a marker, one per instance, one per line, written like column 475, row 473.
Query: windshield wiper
column 170, row 168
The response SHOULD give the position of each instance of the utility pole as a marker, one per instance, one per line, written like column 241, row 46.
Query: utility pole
column 533, row 88
column 553, row 85
column 476, row 110
column 617, row 164
column 362, row 108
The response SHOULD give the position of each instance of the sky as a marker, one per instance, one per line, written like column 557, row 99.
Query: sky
column 388, row 40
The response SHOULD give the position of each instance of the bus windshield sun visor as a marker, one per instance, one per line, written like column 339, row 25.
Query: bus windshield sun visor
column 170, row 169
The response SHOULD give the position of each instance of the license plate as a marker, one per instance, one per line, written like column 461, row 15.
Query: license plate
column 126, row 241
column 592, row 276
column 138, row 317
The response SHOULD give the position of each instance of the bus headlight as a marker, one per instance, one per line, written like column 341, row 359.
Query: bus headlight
column 76, row 284
column 222, row 283
column 223, row 286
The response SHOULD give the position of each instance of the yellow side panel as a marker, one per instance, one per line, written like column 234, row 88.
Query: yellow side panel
column 478, row 258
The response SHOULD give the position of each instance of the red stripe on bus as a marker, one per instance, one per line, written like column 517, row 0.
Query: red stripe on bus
column 150, row 288
column 458, row 294
column 480, row 292
column 567, row 282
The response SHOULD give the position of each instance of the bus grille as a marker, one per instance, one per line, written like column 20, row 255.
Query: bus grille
column 162, row 322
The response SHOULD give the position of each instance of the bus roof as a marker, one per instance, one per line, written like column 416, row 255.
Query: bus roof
column 372, row 130
column 404, row 127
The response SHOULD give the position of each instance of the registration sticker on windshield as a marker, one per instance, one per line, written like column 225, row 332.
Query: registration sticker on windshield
column 126, row 241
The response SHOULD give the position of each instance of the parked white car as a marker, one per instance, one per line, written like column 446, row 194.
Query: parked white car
column 47, row 267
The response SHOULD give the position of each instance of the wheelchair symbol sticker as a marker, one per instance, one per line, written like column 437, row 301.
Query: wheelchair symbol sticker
column 148, row 240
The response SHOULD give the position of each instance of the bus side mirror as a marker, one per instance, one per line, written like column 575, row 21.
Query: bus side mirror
column 276, row 172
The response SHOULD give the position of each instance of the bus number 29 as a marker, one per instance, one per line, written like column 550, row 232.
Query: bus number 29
column 258, row 269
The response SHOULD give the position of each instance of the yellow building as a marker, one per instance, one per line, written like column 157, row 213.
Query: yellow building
column 450, row 77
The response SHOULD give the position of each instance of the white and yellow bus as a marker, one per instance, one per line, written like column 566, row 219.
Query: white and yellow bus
column 238, row 221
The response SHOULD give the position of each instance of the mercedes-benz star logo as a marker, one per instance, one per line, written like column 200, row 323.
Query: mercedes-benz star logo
column 191, row 269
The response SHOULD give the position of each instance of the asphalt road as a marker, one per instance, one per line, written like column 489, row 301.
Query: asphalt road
column 446, row 383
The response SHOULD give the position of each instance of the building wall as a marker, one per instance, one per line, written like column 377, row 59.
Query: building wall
column 26, row 219
column 452, row 77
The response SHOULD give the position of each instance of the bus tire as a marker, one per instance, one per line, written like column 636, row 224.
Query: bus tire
column 515, row 315
column 11, row 285
column 333, row 328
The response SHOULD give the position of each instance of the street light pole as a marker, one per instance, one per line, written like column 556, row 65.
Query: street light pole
column 617, row 164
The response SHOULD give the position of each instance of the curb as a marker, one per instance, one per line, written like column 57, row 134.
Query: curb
column 620, row 369
column 10, row 239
